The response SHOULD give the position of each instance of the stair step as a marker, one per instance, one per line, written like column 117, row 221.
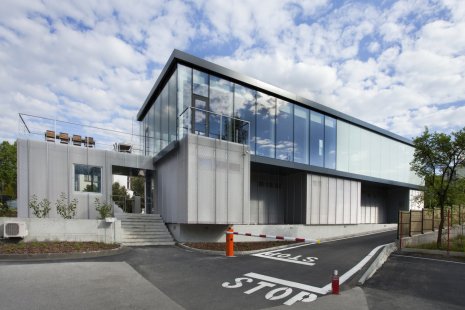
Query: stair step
column 148, row 243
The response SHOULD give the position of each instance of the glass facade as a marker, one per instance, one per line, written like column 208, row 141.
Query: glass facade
column 275, row 128
column 301, row 134
column 265, row 131
column 284, row 130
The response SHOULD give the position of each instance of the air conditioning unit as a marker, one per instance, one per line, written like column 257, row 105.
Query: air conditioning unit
column 14, row 229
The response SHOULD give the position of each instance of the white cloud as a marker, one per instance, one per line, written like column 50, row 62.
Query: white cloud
column 97, row 61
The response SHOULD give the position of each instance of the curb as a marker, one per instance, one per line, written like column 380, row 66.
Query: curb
column 378, row 262
column 433, row 252
column 222, row 253
column 60, row 256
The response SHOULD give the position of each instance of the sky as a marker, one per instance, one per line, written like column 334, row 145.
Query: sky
column 399, row 65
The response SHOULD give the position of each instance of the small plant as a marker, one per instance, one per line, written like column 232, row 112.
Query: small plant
column 65, row 209
column 104, row 209
column 41, row 208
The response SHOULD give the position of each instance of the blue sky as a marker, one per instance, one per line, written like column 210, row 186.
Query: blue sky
column 397, row 64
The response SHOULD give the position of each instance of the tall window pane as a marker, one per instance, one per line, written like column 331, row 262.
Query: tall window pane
column 164, row 112
column 284, row 129
column 172, row 108
column 157, row 137
column 317, row 133
column 244, row 108
column 221, row 102
column 184, row 98
column 301, row 134
column 266, row 111
column 200, row 83
column 330, row 142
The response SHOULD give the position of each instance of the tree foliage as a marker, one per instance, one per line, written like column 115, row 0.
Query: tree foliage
column 8, row 169
column 120, row 195
column 436, row 159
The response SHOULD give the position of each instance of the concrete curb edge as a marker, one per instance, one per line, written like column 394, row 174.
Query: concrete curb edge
column 60, row 256
column 378, row 262
column 433, row 252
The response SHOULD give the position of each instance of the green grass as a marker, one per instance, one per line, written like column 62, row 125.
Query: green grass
column 457, row 244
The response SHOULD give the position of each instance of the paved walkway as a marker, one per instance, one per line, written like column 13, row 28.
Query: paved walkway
column 78, row 285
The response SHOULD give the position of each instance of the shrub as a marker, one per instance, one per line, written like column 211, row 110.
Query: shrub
column 65, row 209
column 41, row 208
column 104, row 209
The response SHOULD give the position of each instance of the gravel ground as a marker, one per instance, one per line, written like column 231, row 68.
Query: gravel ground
column 53, row 247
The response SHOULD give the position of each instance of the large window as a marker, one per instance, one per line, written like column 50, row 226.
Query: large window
column 330, row 142
column 221, row 102
column 317, row 133
column 284, row 130
column 184, row 98
column 172, row 108
column 301, row 134
column 266, row 111
column 87, row 178
column 164, row 117
column 200, row 83
column 244, row 108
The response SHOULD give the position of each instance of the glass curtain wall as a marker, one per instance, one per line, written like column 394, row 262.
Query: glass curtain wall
column 221, row 103
column 244, row 108
column 284, row 130
column 278, row 128
column 265, row 134
column 301, row 134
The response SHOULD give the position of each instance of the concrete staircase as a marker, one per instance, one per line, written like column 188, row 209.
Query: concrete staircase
column 144, row 229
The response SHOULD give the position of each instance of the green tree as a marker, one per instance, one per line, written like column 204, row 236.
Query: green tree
column 8, row 169
column 138, row 186
column 120, row 196
column 436, row 159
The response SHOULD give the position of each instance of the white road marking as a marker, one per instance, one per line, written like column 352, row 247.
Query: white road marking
column 287, row 283
column 432, row 259
column 354, row 269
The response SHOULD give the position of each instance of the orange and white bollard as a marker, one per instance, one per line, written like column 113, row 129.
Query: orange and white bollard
column 335, row 283
column 230, row 243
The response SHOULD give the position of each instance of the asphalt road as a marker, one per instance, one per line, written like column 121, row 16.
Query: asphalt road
column 410, row 282
column 196, row 280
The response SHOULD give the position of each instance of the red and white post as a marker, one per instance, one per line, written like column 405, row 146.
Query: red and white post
column 335, row 283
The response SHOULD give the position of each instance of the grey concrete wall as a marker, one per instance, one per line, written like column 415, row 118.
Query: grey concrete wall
column 332, row 200
column 47, row 169
column 204, row 181
column 216, row 233
column 70, row 230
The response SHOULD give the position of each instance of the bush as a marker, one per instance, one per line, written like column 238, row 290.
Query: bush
column 104, row 209
column 65, row 209
column 41, row 208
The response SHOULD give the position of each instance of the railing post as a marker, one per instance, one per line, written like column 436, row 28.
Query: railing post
column 399, row 228
column 432, row 221
column 422, row 219
column 229, row 242
column 410, row 224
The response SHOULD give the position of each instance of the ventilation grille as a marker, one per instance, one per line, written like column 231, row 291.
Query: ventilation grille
column 12, row 229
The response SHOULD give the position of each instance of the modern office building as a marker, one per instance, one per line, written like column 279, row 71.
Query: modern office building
column 229, row 149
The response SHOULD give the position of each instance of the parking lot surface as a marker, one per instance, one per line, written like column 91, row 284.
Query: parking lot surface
column 194, row 280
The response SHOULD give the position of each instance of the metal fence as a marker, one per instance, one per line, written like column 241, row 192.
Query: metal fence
column 416, row 222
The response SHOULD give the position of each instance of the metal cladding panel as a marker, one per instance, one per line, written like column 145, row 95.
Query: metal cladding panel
column 315, row 204
column 38, row 170
column 23, row 178
column 324, row 200
column 221, row 183
column 217, row 182
column 60, row 180
column 332, row 198
column 339, row 201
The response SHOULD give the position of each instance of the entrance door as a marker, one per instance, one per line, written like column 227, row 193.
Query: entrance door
column 200, row 115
